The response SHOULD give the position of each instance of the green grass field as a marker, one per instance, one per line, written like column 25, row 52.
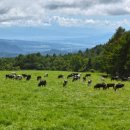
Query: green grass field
column 25, row 106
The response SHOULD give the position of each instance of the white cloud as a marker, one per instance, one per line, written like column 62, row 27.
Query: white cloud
column 63, row 12
column 29, row 12
column 62, row 21
column 74, row 22
column 89, row 7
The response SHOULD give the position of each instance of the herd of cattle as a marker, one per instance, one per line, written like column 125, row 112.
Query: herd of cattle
column 74, row 77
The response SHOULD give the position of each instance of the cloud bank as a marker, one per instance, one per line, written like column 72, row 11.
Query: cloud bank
column 64, row 13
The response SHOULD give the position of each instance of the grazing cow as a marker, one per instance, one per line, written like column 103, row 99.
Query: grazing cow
column 10, row 76
column 42, row 83
column 76, row 77
column 28, row 77
column 39, row 78
column 46, row 75
column 14, row 76
column 89, row 82
column 60, row 76
column 18, row 77
column 84, row 79
column 119, row 85
column 24, row 75
column 87, row 75
column 110, row 85
column 100, row 85
column 7, row 76
column 71, row 75
column 65, row 83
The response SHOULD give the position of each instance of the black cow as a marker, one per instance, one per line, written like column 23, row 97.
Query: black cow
column 70, row 75
column 100, row 85
column 28, row 77
column 84, row 79
column 110, row 85
column 119, row 85
column 39, row 78
column 60, row 76
column 65, row 83
column 42, row 83
column 10, row 76
column 87, row 75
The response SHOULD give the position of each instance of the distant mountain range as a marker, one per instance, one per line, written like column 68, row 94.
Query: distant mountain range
column 11, row 48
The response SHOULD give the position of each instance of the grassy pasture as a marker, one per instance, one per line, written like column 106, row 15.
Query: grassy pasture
column 24, row 106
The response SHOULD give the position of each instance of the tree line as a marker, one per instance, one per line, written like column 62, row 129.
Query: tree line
column 112, row 57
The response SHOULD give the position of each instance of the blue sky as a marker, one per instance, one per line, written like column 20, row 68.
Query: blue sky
column 47, row 20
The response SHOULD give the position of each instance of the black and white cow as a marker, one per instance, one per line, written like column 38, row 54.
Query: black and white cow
column 100, row 85
column 42, row 83
column 119, row 85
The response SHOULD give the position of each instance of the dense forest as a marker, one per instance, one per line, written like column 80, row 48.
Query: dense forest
column 113, row 57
